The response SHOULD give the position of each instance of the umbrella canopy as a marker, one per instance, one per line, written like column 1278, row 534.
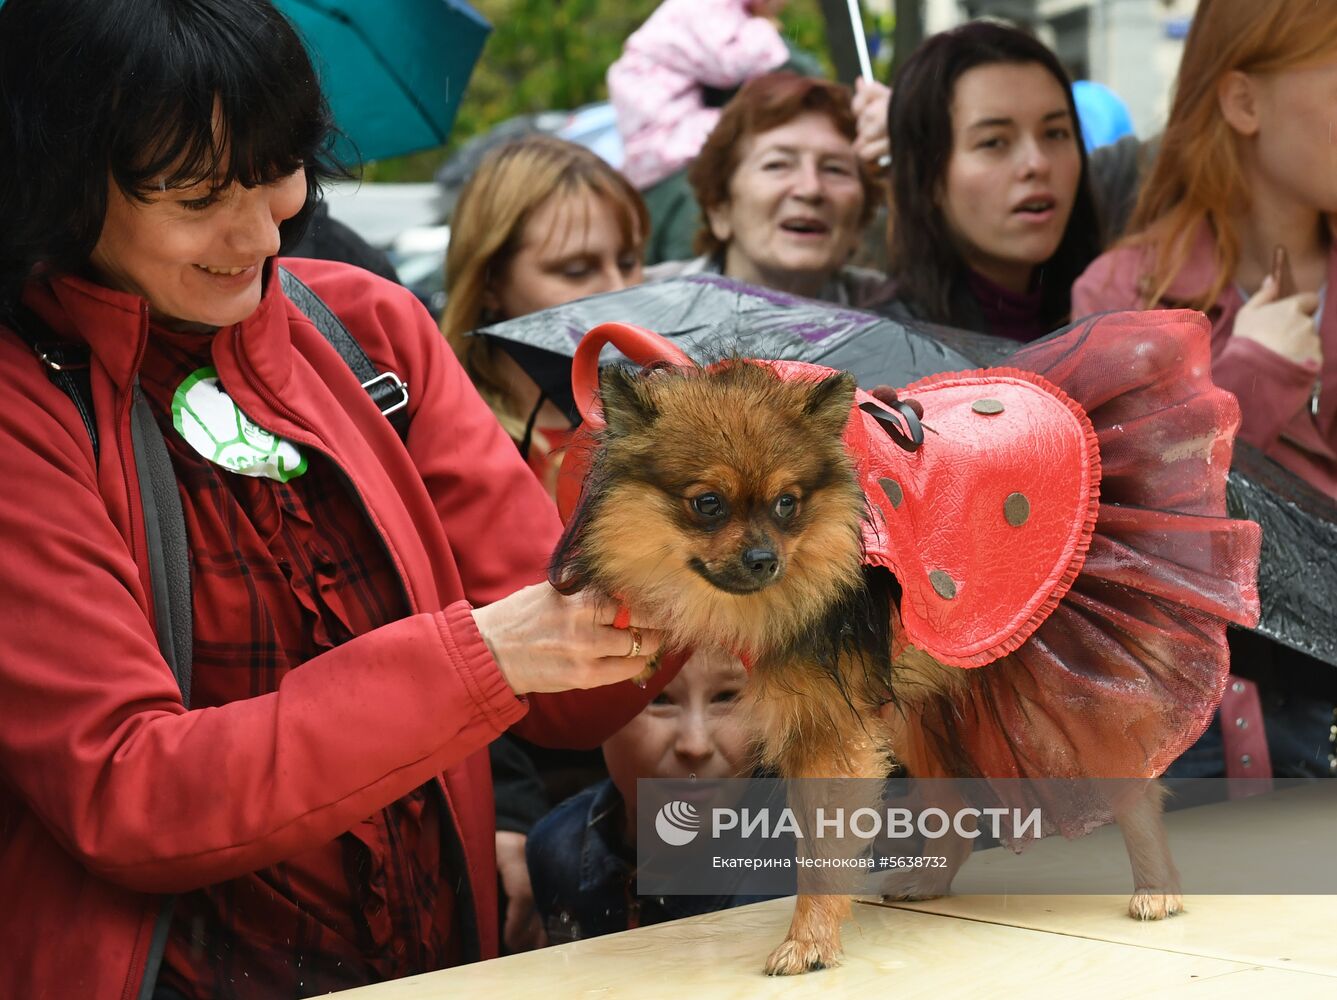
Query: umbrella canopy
column 708, row 317
column 394, row 70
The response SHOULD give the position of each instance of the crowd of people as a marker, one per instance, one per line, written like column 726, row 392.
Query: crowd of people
column 355, row 777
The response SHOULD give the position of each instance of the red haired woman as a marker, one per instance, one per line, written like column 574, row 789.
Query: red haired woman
column 1248, row 165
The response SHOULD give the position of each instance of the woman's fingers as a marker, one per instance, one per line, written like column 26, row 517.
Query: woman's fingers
column 873, row 151
column 1267, row 293
column 616, row 669
column 629, row 643
column 1306, row 302
column 1285, row 326
column 606, row 612
column 544, row 641
column 869, row 94
column 871, row 100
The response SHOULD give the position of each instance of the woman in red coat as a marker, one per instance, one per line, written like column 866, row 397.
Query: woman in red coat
column 292, row 831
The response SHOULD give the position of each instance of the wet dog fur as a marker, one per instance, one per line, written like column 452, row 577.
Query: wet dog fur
column 723, row 502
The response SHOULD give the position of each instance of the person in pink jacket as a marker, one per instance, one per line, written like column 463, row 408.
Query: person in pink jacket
column 657, row 85
column 1246, row 170
column 1236, row 219
column 313, row 811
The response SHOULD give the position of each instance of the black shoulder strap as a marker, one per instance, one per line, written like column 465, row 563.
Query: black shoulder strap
column 386, row 389
column 66, row 364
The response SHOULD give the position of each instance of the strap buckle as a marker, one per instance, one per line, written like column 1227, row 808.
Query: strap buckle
column 55, row 358
column 396, row 384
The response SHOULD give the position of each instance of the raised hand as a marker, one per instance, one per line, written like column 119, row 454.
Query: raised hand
column 1284, row 325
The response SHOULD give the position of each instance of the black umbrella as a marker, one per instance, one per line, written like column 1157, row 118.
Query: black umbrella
column 708, row 317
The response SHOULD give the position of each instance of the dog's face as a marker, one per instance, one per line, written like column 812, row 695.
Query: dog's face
column 727, row 500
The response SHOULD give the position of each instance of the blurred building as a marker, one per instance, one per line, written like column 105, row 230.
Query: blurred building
column 1131, row 46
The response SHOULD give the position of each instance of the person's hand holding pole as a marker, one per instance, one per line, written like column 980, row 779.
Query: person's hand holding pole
column 871, row 100
column 870, row 104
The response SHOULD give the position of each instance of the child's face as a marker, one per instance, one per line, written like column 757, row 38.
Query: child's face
column 692, row 728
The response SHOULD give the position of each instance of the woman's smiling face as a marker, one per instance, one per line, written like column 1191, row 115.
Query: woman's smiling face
column 795, row 200
column 197, row 256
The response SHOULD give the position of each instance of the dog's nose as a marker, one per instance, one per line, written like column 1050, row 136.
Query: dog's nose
column 761, row 563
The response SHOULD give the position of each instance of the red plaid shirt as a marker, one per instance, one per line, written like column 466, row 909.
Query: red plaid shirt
column 301, row 563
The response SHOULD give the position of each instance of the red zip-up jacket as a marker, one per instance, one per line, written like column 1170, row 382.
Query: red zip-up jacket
column 112, row 794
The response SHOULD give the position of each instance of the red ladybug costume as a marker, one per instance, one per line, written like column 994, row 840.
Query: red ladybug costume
column 1061, row 527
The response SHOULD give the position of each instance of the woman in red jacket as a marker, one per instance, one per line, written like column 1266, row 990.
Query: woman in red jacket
column 292, row 831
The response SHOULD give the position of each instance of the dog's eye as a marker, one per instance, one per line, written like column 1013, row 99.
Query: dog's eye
column 710, row 505
column 786, row 506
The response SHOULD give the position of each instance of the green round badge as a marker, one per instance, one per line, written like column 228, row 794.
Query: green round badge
column 214, row 426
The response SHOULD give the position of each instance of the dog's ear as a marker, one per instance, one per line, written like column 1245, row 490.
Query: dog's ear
column 627, row 404
column 829, row 403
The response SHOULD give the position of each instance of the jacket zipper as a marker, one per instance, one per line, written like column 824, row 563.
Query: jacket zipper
column 471, row 946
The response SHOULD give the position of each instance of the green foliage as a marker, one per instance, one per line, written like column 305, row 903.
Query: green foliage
column 553, row 54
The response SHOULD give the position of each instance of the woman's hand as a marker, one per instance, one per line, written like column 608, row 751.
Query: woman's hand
column 870, row 104
column 524, row 930
column 1285, row 326
column 544, row 641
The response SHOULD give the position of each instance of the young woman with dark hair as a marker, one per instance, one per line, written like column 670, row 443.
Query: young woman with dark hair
column 242, row 114
column 290, row 831
column 992, row 215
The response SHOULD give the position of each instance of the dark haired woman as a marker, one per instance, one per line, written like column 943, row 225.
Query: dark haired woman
column 293, row 831
column 992, row 213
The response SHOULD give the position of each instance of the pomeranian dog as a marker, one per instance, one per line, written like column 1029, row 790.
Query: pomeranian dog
column 724, row 499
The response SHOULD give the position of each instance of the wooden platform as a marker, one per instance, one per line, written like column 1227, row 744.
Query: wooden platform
column 1002, row 944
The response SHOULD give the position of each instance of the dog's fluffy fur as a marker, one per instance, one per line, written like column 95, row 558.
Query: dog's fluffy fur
column 684, row 516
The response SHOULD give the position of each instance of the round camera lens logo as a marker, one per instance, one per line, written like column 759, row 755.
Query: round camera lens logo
column 677, row 823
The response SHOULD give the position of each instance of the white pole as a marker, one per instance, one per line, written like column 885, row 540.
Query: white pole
column 860, row 41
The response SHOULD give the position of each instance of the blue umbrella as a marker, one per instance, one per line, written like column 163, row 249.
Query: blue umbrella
column 394, row 70
column 1103, row 114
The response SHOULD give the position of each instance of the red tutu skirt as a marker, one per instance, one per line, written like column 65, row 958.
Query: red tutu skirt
column 1117, row 657
column 1061, row 536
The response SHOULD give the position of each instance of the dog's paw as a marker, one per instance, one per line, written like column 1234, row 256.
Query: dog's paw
column 795, row 956
column 1147, row 904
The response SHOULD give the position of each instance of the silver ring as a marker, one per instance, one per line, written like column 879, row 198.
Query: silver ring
column 635, row 641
